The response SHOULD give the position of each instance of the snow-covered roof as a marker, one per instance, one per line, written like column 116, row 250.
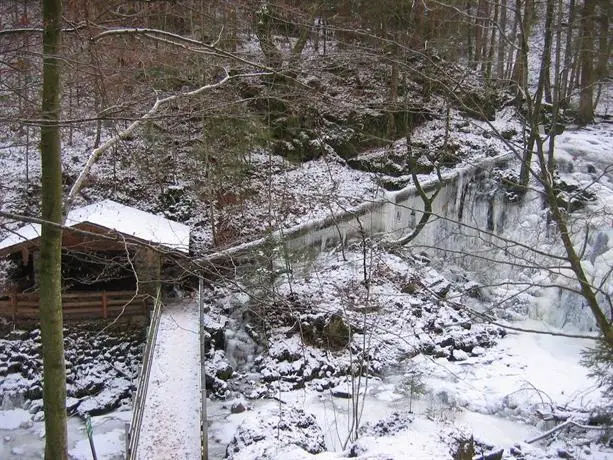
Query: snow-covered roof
column 120, row 218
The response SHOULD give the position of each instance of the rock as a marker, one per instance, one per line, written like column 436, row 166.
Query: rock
column 477, row 351
column 494, row 455
column 72, row 404
column 440, row 287
column 473, row 290
column 94, row 363
column 458, row 355
column 394, row 423
column 237, row 408
column 216, row 333
column 261, row 436
column 215, row 385
column 219, row 366
column 440, row 352
column 36, row 406
column 326, row 330
column 341, row 394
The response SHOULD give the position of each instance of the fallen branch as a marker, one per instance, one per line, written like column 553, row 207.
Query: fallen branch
column 561, row 426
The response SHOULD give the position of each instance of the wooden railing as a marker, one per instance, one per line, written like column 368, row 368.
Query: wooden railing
column 77, row 305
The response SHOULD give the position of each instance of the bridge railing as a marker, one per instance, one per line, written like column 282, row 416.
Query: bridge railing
column 204, row 433
column 138, row 409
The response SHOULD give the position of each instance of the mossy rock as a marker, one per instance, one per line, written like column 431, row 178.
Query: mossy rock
column 336, row 332
column 329, row 331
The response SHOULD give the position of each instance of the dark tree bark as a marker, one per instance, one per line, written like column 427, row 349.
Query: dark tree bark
column 585, row 113
column 51, row 323
column 604, row 44
column 520, row 69
column 492, row 44
column 568, row 53
column 263, row 30
column 500, row 74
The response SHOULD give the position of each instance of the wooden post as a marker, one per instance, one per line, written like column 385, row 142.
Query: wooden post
column 105, row 306
column 14, row 305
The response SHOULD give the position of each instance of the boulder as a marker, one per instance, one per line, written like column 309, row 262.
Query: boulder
column 261, row 436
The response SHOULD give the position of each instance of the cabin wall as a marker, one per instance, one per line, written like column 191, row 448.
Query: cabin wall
column 148, row 266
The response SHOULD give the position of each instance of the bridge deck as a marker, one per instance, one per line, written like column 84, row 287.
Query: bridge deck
column 171, row 421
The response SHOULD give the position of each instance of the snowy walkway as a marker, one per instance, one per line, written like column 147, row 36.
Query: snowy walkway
column 171, row 420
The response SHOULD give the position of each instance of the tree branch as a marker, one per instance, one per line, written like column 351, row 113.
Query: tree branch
column 96, row 153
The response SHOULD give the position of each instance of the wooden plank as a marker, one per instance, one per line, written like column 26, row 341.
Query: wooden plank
column 28, row 303
column 124, row 294
column 79, row 304
column 105, row 307
column 84, row 294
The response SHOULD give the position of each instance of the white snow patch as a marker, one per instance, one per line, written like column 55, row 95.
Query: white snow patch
column 14, row 418
column 115, row 216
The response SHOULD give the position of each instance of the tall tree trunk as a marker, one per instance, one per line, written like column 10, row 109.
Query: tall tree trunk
column 549, row 13
column 534, row 108
column 263, row 30
column 513, row 40
column 501, row 40
column 585, row 114
column 51, row 323
column 492, row 45
column 520, row 70
column 568, row 54
column 556, row 95
column 604, row 44
column 393, row 93
column 480, row 33
column 557, row 66
column 469, row 33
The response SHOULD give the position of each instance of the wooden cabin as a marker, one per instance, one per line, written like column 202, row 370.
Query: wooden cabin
column 112, row 259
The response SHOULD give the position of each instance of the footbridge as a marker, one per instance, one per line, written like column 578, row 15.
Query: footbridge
column 168, row 418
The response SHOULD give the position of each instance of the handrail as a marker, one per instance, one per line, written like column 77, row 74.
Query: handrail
column 133, row 432
column 204, row 434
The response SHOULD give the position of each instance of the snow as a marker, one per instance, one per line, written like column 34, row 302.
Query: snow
column 115, row 216
column 531, row 371
column 107, row 446
column 171, row 418
column 14, row 418
column 27, row 442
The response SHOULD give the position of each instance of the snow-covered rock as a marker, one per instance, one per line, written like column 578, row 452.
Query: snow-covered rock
column 262, row 435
